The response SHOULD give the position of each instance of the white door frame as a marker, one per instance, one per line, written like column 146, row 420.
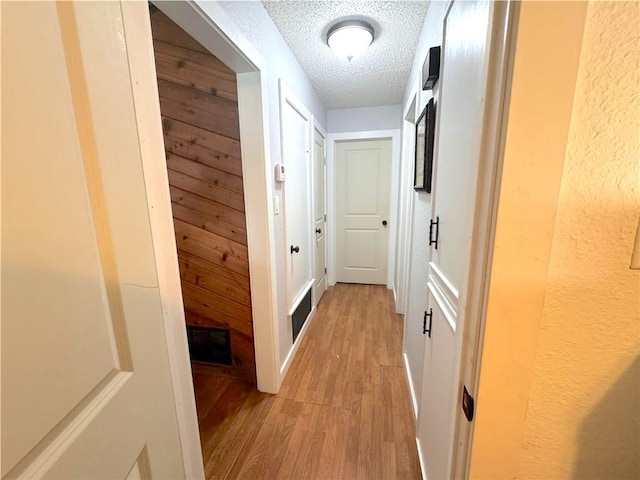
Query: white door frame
column 210, row 25
column 405, row 207
column 137, row 27
column 503, row 40
column 331, row 140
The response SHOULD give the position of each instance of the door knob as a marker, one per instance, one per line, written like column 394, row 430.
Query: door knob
column 295, row 249
column 318, row 231
column 384, row 222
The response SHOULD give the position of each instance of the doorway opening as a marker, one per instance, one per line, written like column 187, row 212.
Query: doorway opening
column 208, row 26
column 199, row 108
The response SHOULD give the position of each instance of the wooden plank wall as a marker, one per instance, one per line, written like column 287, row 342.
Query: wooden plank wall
column 199, row 105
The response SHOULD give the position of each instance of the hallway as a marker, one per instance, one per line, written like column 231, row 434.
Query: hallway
column 343, row 411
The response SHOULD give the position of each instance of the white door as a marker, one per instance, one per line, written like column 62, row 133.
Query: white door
column 363, row 185
column 296, row 157
column 460, row 112
column 320, row 230
column 86, row 388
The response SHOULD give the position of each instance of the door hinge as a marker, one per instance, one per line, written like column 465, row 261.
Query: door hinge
column 468, row 404
column 429, row 315
column 325, row 218
column 434, row 239
column 325, row 270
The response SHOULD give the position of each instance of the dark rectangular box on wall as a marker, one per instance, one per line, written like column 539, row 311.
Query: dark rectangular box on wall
column 208, row 344
column 300, row 314
column 431, row 68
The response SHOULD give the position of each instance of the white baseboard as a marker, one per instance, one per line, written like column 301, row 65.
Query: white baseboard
column 423, row 469
column 412, row 392
column 294, row 348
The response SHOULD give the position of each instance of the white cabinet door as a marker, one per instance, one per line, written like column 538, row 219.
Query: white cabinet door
column 86, row 388
column 461, row 105
column 438, row 383
column 363, row 183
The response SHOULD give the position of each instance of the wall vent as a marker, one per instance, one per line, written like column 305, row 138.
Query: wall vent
column 300, row 314
column 208, row 344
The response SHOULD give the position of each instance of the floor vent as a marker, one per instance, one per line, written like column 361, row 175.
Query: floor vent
column 300, row 314
column 208, row 344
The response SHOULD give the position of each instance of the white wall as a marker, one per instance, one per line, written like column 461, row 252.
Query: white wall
column 420, row 214
column 253, row 22
column 388, row 117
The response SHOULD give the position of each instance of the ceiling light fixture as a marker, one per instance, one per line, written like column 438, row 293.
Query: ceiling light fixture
column 350, row 38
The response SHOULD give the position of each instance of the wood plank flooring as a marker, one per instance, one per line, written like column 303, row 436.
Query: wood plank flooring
column 343, row 411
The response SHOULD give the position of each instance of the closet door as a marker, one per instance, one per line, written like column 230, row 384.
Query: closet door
column 296, row 129
column 86, row 385
column 460, row 111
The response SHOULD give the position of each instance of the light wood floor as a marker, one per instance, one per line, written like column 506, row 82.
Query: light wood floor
column 343, row 411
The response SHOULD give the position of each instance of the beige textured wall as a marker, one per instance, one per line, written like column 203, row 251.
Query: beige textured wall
column 559, row 392
column 583, row 419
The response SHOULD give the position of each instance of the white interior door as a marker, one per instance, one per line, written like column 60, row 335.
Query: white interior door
column 363, row 185
column 460, row 109
column 319, row 218
column 296, row 157
column 86, row 388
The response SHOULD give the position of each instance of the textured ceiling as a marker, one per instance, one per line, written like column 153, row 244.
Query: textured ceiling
column 379, row 76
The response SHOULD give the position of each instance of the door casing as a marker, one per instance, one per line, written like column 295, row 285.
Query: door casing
column 210, row 25
column 332, row 138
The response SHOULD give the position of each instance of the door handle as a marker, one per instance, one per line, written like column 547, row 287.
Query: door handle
column 384, row 223
column 432, row 224
column 427, row 315
column 318, row 231
column 295, row 249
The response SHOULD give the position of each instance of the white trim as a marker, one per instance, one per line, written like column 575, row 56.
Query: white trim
column 445, row 307
column 405, row 206
column 393, row 206
column 316, row 125
column 258, row 192
column 298, row 300
column 444, row 285
column 423, row 465
column 332, row 138
column 412, row 389
column 292, row 353
column 210, row 25
column 144, row 88
column 503, row 37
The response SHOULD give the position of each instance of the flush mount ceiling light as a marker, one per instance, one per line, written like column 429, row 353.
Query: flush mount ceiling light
column 350, row 38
